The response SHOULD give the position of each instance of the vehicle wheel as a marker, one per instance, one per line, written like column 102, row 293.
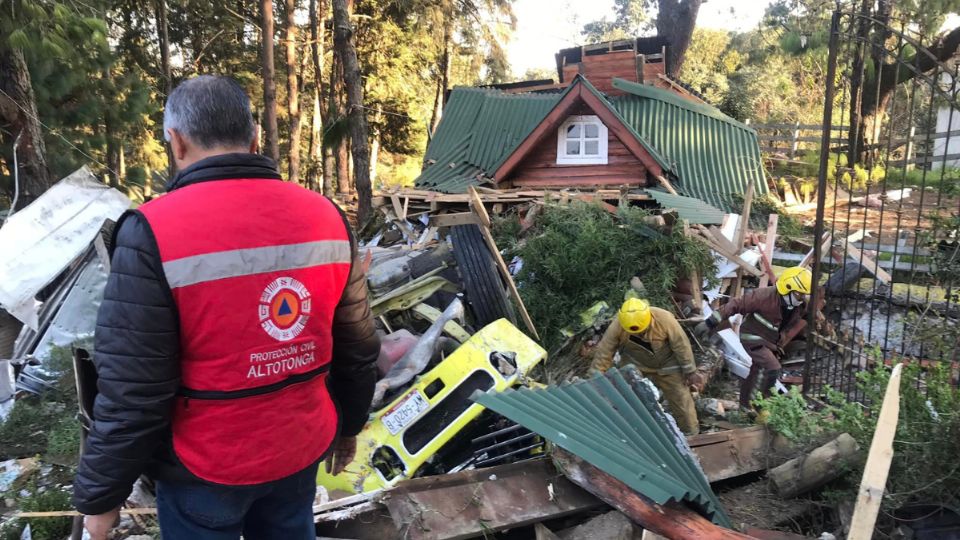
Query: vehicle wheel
column 482, row 284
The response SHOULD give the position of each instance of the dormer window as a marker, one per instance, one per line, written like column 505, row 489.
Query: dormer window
column 582, row 140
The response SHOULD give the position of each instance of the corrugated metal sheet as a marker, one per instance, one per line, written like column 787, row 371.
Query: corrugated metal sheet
column 614, row 422
column 479, row 129
column 712, row 154
column 690, row 209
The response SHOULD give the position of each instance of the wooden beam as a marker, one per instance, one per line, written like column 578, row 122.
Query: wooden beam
column 733, row 453
column 671, row 520
column 470, row 504
column 869, row 263
column 877, row 469
column 477, row 204
column 752, row 270
column 484, row 227
column 824, row 247
column 666, row 184
column 769, row 246
column 397, row 206
column 741, row 236
column 696, row 283
column 452, row 220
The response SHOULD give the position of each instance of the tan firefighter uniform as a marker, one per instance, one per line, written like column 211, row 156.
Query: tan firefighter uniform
column 663, row 354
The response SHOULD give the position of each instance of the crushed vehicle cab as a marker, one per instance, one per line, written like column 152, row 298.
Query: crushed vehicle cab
column 417, row 423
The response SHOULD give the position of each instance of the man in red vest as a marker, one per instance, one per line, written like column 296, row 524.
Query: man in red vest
column 234, row 345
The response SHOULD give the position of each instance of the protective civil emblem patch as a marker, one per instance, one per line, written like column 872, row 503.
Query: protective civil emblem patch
column 284, row 308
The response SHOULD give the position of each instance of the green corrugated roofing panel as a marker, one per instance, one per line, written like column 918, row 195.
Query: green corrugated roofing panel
column 713, row 155
column 614, row 422
column 689, row 208
column 479, row 129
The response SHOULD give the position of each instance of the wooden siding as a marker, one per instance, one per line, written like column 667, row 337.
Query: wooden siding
column 540, row 167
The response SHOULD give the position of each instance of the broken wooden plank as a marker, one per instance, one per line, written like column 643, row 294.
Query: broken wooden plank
column 827, row 239
column 670, row 520
column 869, row 264
column 810, row 471
column 877, row 469
column 752, row 270
column 71, row 513
column 471, row 503
column 477, row 204
column 769, row 245
column 729, row 454
column 397, row 206
column 452, row 220
column 666, row 184
column 741, row 235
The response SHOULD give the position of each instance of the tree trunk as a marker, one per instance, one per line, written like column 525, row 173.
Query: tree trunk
column 675, row 21
column 338, row 114
column 316, row 126
column 293, row 94
column 443, row 79
column 19, row 114
column 269, row 84
column 163, row 40
column 359, row 131
column 878, row 91
column 855, row 134
column 810, row 471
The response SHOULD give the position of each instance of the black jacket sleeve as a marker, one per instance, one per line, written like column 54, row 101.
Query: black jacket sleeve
column 136, row 354
column 356, row 345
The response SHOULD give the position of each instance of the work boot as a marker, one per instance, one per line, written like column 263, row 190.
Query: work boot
column 770, row 378
column 747, row 385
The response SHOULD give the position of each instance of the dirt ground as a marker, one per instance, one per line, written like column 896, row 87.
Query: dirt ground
column 911, row 213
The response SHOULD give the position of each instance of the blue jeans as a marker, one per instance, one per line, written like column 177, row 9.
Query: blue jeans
column 277, row 510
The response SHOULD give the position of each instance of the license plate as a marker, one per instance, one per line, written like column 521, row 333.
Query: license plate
column 405, row 412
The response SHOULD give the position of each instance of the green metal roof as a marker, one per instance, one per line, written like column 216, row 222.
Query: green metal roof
column 614, row 422
column 690, row 209
column 710, row 155
column 479, row 129
column 713, row 155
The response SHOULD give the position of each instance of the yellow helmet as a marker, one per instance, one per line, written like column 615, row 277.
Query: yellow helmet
column 635, row 315
column 796, row 279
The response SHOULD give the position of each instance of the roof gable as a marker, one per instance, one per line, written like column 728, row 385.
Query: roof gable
column 582, row 92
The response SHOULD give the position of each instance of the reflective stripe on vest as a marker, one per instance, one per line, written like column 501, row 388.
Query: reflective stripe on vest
column 770, row 326
column 257, row 268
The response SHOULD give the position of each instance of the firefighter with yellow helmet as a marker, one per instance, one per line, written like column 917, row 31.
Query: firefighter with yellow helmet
column 651, row 339
column 772, row 318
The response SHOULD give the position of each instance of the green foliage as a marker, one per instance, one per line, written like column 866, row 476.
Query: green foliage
column 24, row 432
column 63, row 441
column 924, row 467
column 40, row 499
column 577, row 255
column 789, row 415
column 787, row 225
column 631, row 19
column 709, row 63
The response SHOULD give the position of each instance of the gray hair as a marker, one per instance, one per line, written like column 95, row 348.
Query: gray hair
column 211, row 111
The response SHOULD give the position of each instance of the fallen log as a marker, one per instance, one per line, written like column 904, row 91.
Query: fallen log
column 808, row 472
column 672, row 520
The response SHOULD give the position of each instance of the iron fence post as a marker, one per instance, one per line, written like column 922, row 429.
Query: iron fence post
column 821, row 193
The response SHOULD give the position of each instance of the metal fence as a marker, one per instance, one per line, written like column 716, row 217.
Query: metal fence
column 889, row 251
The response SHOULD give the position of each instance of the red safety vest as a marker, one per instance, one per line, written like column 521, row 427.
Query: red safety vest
column 257, row 268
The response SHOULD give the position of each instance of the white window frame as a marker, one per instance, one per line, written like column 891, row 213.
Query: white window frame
column 573, row 159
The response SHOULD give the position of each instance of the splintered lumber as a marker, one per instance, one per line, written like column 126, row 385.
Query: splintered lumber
column 473, row 503
column 731, row 453
column 695, row 281
column 878, row 462
column 770, row 244
column 714, row 245
column 673, row 521
column 741, row 236
column 484, row 227
column 810, row 471
column 666, row 184
column 869, row 264
column 452, row 220
column 824, row 247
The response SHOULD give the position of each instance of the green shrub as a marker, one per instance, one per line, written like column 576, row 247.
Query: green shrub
column 580, row 254
column 63, row 441
column 924, row 467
